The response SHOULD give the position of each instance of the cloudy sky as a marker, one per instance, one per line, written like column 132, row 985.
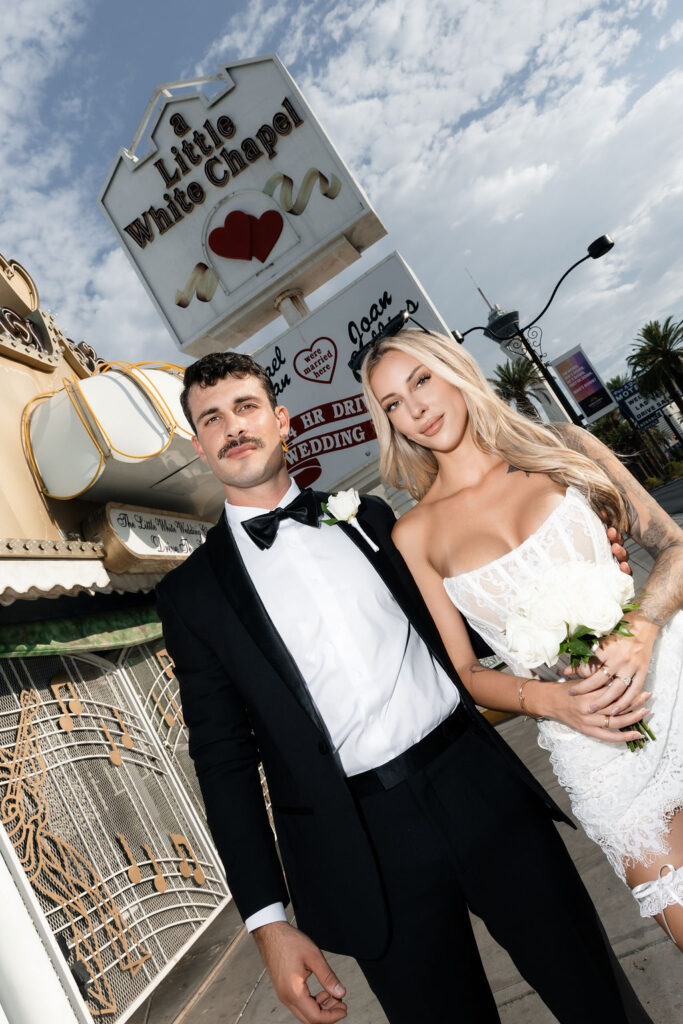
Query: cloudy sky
column 501, row 136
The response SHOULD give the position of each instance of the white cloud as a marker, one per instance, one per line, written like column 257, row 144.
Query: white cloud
column 673, row 36
column 246, row 34
column 500, row 196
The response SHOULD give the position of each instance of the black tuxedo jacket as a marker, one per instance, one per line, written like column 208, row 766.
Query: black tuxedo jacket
column 245, row 701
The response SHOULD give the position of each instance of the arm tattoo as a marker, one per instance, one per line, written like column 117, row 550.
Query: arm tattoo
column 654, row 531
column 477, row 666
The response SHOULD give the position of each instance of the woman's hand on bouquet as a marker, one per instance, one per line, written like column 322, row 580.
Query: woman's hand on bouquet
column 618, row 668
column 593, row 712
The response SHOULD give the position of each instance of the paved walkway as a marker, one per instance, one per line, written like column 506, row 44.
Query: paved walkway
column 236, row 989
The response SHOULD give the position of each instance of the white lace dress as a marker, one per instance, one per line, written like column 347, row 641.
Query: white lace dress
column 620, row 798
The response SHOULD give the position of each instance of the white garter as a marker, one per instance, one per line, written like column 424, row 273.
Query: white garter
column 663, row 891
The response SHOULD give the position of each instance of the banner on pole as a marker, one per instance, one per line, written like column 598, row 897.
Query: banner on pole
column 584, row 383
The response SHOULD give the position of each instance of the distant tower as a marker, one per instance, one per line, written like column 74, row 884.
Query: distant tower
column 505, row 325
column 501, row 324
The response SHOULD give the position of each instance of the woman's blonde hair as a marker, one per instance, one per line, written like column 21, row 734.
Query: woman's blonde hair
column 495, row 427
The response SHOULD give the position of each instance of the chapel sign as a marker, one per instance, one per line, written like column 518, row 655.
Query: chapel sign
column 239, row 198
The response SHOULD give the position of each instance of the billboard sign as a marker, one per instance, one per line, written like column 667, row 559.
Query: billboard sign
column 584, row 384
column 331, row 435
column 239, row 197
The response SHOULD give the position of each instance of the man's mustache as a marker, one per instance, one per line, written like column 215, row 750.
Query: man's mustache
column 238, row 443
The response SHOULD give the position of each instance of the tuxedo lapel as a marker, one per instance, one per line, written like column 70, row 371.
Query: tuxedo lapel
column 236, row 583
column 395, row 573
column 391, row 567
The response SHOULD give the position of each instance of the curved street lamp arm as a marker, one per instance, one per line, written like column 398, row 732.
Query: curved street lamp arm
column 521, row 330
column 539, row 315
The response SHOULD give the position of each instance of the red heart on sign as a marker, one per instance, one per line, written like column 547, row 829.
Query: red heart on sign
column 234, row 239
column 244, row 236
column 317, row 363
column 265, row 233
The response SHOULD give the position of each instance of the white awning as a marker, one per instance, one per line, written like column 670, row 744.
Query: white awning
column 25, row 579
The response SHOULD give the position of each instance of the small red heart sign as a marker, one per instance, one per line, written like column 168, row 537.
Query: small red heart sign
column 244, row 236
column 318, row 362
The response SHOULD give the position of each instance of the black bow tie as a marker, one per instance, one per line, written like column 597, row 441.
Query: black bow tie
column 263, row 529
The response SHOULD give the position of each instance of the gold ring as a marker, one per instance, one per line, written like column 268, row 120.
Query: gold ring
column 606, row 725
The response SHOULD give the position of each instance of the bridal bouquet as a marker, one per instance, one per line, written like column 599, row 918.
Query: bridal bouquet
column 567, row 612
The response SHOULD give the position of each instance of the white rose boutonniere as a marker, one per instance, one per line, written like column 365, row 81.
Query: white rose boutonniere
column 342, row 508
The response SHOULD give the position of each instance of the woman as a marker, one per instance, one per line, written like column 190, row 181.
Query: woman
column 501, row 501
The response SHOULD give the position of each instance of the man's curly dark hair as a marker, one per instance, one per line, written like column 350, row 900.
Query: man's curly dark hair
column 215, row 366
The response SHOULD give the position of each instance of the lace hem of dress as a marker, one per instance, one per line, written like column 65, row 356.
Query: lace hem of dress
column 641, row 842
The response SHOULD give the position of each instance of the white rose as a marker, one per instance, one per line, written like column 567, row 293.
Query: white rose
column 551, row 609
column 547, row 601
column 595, row 592
column 576, row 578
column 344, row 505
column 532, row 644
column 599, row 611
column 580, row 584
column 621, row 583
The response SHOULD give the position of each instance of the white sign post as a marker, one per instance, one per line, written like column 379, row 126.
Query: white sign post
column 332, row 438
column 238, row 199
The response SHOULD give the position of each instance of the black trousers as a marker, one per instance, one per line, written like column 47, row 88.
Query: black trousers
column 465, row 833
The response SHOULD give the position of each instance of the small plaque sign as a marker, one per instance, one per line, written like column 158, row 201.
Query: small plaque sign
column 140, row 539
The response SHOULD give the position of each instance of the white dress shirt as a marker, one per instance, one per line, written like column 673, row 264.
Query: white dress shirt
column 372, row 679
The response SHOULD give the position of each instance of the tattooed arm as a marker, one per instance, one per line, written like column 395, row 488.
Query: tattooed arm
column 649, row 525
column 627, row 658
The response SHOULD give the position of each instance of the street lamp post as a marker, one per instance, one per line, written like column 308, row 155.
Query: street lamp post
column 507, row 328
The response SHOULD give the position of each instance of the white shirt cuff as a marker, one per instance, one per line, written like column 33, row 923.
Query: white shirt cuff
column 273, row 912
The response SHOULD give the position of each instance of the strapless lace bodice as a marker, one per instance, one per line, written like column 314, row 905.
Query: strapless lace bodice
column 571, row 532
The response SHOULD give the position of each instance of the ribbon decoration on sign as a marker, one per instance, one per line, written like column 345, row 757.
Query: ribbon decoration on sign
column 329, row 187
column 203, row 282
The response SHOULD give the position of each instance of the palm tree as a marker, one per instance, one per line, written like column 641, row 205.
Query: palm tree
column 638, row 449
column 516, row 381
column 657, row 362
column 618, row 381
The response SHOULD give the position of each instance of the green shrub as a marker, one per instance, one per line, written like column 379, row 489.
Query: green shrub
column 672, row 470
column 651, row 482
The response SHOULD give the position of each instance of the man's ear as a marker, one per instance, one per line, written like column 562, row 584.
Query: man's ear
column 282, row 416
column 198, row 448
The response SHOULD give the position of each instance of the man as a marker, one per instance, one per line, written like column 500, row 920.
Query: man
column 308, row 647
